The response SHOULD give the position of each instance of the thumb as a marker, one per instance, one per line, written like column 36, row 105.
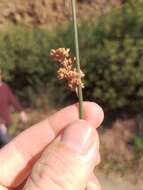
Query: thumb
column 70, row 164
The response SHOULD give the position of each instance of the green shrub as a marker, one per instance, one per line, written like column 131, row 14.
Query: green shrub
column 26, row 64
column 114, row 58
column 137, row 143
column 24, row 59
column 111, row 56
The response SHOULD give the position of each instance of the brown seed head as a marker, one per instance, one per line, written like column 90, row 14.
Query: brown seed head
column 67, row 71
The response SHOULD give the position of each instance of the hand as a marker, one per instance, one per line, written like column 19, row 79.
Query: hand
column 23, row 117
column 27, row 163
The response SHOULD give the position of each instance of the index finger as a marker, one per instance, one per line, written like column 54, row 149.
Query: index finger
column 17, row 158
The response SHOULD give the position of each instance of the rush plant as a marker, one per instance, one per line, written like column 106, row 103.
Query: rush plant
column 67, row 70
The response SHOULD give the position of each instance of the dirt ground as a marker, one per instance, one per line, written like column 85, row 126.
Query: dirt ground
column 48, row 12
column 114, row 182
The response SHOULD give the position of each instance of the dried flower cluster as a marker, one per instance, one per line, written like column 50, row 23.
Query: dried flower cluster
column 67, row 71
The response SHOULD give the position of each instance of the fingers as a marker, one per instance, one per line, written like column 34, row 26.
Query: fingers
column 17, row 158
column 92, row 113
column 3, row 188
column 70, row 164
column 93, row 184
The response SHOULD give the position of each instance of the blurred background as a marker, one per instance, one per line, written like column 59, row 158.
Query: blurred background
column 111, row 48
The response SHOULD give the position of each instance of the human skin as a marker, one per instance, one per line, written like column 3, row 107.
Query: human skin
column 26, row 163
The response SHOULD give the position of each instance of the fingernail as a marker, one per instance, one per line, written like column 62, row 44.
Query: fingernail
column 80, row 136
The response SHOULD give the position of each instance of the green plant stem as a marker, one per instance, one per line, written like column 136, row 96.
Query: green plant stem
column 80, row 96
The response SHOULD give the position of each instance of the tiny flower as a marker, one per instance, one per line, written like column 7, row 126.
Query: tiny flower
column 68, row 61
column 74, row 83
column 72, row 74
column 60, row 54
column 82, row 74
column 62, row 73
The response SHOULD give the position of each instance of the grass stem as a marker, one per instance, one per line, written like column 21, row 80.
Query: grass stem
column 79, row 90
